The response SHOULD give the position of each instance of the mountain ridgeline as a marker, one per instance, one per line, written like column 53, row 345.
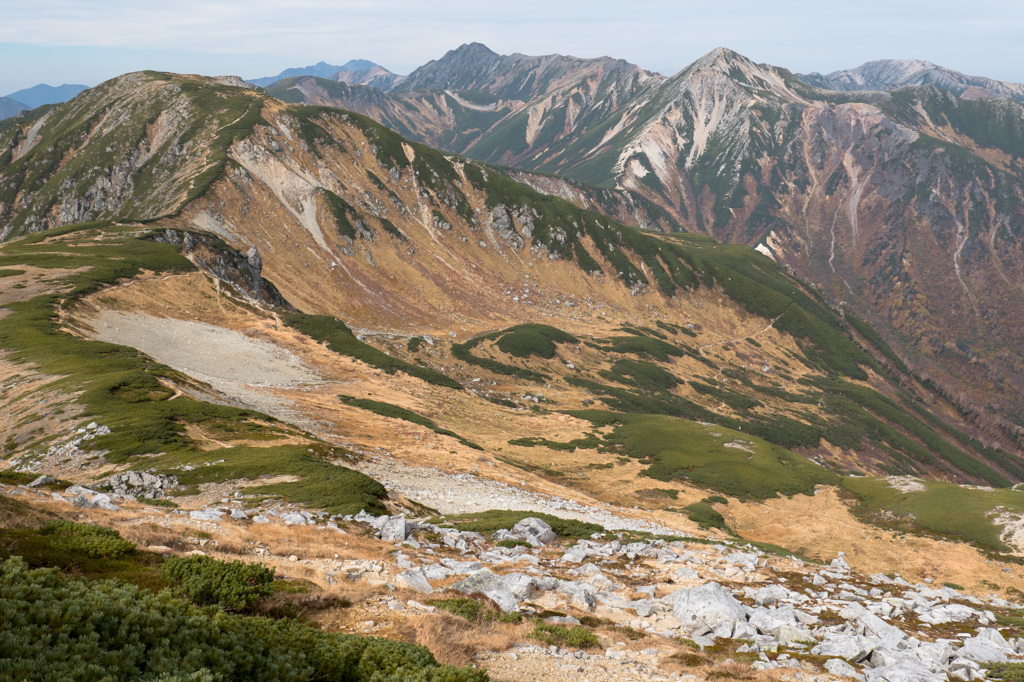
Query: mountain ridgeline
column 903, row 205
column 347, row 219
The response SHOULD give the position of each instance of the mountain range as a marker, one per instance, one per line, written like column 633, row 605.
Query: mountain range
column 892, row 74
column 624, row 333
column 750, row 153
column 41, row 94
column 354, row 71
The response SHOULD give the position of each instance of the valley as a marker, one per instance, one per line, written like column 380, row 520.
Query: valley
column 364, row 362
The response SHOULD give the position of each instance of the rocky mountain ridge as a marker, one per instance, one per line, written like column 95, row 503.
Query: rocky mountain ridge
column 354, row 71
column 892, row 74
column 749, row 154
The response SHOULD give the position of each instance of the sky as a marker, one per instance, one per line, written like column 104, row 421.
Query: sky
column 89, row 41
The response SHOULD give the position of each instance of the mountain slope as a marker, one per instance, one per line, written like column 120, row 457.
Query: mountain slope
column 348, row 219
column 904, row 204
column 163, row 144
column 892, row 74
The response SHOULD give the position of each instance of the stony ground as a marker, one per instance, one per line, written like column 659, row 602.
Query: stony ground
column 661, row 609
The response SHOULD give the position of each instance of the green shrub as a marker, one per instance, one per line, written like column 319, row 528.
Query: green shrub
column 1011, row 672
column 58, row 628
column 340, row 339
column 645, row 375
column 526, row 340
column 467, row 608
column 576, row 637
column 234, row 586
column 462, row 351
column 689, row 451
column 704, row 515
column 94, row 541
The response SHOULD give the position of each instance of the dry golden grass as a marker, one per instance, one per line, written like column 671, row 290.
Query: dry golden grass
column 454, row 640
column 152, row 535
column 311, row 542
column 822, row 525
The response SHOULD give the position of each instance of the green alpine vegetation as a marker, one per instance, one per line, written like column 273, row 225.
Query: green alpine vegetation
column 396, row 412
column 113, row 630
column 127, row 391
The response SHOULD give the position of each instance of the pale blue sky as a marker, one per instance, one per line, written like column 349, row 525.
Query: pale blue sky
column 88, row 41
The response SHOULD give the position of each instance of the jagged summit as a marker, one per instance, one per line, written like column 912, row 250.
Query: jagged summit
column 890, row 74
column 472, row 50
column 737, row 74
column 455, row 69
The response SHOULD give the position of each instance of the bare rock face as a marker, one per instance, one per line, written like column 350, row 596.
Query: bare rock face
column 243, row 271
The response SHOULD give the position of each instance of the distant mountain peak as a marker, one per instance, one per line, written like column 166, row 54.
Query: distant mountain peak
column 725, row 60
column 321, row 70
column 41, row 94
column 890, row 74
column 473, row 49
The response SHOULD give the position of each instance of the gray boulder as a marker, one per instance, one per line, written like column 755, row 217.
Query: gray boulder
column 436, row 572
column 491, row 586
column 841, row 668
column 534, row 531
column 394, row 529
column 687, row 574
column 988, row 646
column 142, row 484
column 581, row 595
column 703, row 609
column 462, row 567
column 42, row 480
column 788, row 634
column 519, row 584
column 907, row 671
column 771, row 594
column 853, row 648
column 768, row 621
column 414, row 580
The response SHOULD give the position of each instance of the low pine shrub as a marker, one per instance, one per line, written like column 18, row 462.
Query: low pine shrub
column 234, row 586
column 60, row 628
column 576, row 637
column 94, row 541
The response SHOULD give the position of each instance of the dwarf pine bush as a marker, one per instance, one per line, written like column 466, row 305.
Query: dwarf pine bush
column 234, row 586
column 53, row 627
column 94, row 541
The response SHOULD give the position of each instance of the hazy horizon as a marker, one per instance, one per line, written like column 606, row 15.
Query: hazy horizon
column 75, row 41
